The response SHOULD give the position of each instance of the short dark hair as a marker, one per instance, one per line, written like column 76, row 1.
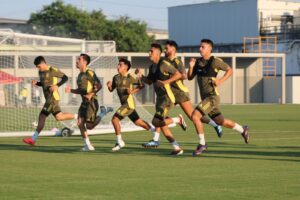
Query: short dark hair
column 208, row 41
column 86, row 57
column 172, row 43
column 126, row 62
column 156, row 46
column 38, row 60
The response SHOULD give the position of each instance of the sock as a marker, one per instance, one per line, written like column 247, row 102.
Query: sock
column 175, row 145
column 87, row 141
column 176, row 120
column 212, row 123
column 35, row 136
column 156, row 136
column 238, row 128
column 201, row 138
column 152, row 128
column 119, row 138
column 75, row 116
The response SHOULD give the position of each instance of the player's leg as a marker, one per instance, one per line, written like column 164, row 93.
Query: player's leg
column 82, row 119
column 60, row 116
column 162, row 108
column 121, row 113
column 203, row 108
column 45, row 112
column 243, row 130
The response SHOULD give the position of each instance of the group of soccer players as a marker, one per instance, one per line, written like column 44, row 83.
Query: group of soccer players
column 166, row 74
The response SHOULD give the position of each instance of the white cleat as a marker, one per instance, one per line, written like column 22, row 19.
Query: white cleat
column 118, row 146
column 88, row 148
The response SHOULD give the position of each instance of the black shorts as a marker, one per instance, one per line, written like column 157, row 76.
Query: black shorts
column 88, row 110
column 51, row 107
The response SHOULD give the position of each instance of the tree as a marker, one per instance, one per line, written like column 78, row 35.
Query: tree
column 58, row 19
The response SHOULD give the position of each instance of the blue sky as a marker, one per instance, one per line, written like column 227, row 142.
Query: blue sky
column 154, row 12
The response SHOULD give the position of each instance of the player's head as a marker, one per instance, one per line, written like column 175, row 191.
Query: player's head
column 40, row 63
column 124, row 65
column 155, row 52
column 170, row 47
column 83, row 60
column 206, row 47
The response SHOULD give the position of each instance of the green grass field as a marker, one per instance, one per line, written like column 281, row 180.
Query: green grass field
column 267, row 168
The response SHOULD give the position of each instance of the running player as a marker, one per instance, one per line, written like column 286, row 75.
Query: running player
column 161, row 74
column 181, row 93
column 206, row 69
column 49, row 76
column 88, row 86
column 126, row 85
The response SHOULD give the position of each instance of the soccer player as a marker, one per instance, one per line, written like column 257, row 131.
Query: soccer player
column 206, row 69
column 181, row 93
column 88, row 86
column 49, row 76
column 126, row 85
column 161, row 74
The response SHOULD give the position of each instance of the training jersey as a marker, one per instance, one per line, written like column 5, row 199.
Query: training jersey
column 122, row 84
column 207, row 71
column 86, row 82
column 162, row 71
column 180, row 67
column 48, row 78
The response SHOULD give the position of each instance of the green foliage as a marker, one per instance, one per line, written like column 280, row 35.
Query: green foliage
column 58, row 19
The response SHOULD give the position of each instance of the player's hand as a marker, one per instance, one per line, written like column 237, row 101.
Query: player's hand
column 53, row 88
column 89, row 96
column 192, row 62
column 138, row 72
column 68, row 89
column 130, row 91
column 160, row 83
column 109, row 84
column 216, row 82
column 33, row 82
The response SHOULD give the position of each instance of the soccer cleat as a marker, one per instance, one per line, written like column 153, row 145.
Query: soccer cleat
column 245, row 134
column 151, row 144
column 177, row 152
column 104, row 110
column 219, row 131
column 118, row 146
column 29, row 141
column 182, row 122
column 199, row 150
column 88, row 148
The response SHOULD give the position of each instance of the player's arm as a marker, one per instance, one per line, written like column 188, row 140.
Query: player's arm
column 175, row 74
column 137, row 82
column 111, row 85
column 36, row 83
column 181, row 69
column 221, row 65
column 145, row 79
column 191, row 72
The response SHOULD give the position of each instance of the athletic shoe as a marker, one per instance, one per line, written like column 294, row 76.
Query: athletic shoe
column 151, row 144
column 199, row 150
column 246, row 134
column 88, row 148
column 104, row 110
column 29, row 141
column 182, row 122
column 177, row 152
column 118, row 146
column 219, row 131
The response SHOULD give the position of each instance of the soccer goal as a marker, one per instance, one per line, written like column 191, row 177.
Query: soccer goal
column 20, row 102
